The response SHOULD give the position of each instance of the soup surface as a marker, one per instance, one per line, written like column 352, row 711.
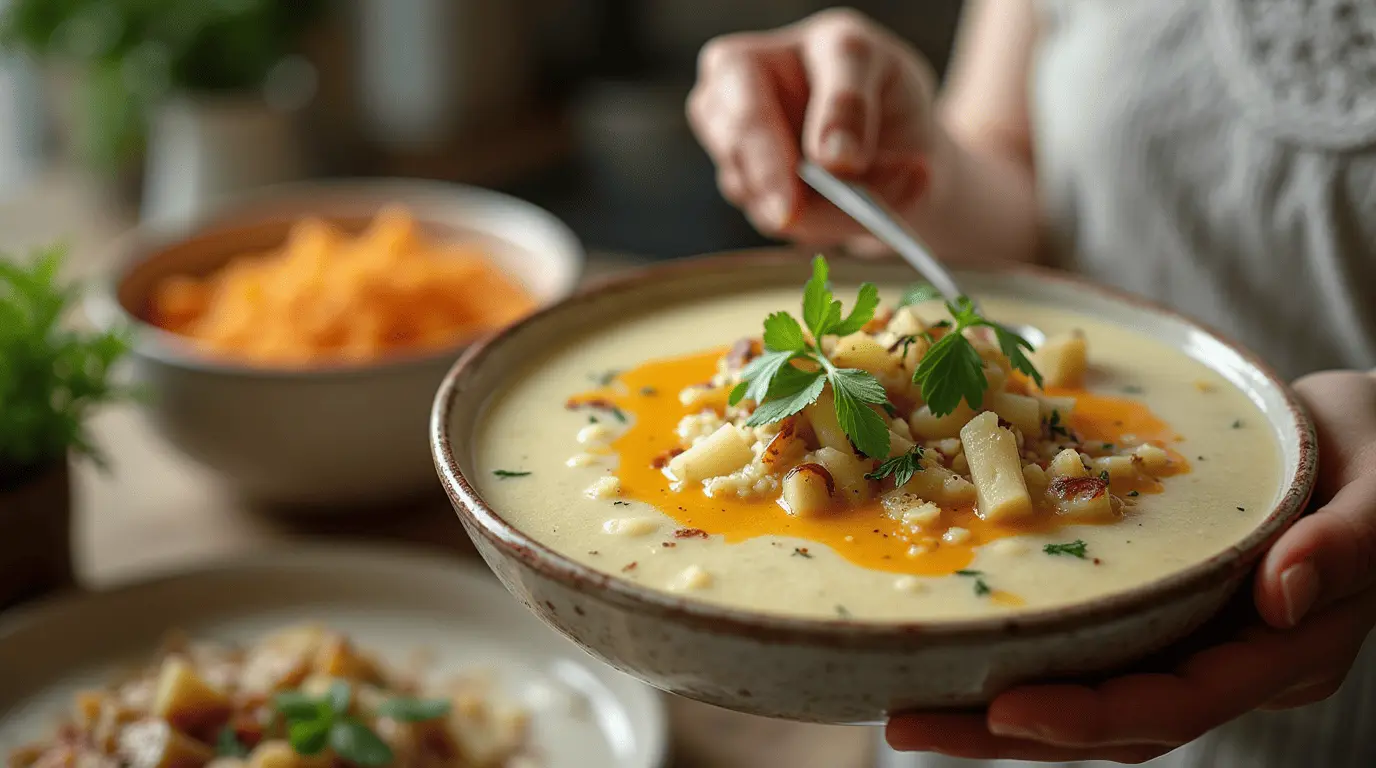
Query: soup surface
column 1168, row 464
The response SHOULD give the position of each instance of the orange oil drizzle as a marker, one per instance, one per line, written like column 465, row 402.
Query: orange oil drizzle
column 864, row 534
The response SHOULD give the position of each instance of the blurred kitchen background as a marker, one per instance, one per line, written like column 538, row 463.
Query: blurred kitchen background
column 156, row 106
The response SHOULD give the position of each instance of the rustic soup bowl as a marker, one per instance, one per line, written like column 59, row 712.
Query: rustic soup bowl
column 846, row 671
column 331, row 437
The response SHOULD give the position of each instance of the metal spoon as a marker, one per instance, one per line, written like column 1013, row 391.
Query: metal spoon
column 884, row 224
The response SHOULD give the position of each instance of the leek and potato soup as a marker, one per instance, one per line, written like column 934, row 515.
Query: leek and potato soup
column 891, row 459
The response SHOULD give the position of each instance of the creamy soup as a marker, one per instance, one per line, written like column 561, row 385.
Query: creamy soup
column 1139, row 465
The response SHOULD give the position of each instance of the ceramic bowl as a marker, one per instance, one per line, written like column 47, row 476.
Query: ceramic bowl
column 840, row 671
column 327, row 437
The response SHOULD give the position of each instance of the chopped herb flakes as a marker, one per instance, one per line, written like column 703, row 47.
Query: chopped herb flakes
column 1134, row 493
column 1055, row 427
column 649, row 391
column 1133, row 389
column 901, row 467
column 1075, row 548
column 1237, row 424
column 842, row 612
column 981, row 586
column 509, row 473
column 605, row 378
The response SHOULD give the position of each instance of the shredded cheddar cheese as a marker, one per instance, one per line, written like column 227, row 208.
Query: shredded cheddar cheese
column 327, row 297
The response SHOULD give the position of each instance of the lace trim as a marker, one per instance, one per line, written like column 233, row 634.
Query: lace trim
column 1303, row 69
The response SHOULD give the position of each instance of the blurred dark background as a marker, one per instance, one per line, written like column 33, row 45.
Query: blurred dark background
column 576, row 105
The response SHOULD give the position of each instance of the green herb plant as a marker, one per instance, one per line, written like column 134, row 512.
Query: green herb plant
column 901, row 467
column 792, row 371
column 51, row 376
column 1076, row 548
column 130, row 54
column 315, row 723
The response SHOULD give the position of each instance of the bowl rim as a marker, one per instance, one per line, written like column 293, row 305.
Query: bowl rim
column 511, row 541
column 102, row 305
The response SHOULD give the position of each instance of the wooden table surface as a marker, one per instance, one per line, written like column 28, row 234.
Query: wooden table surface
column 154, row 510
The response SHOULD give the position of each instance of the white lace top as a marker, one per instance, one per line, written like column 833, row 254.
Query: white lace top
column 1220, row 156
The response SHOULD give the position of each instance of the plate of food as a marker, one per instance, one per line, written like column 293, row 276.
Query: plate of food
column 312, row 657
column 812, row 491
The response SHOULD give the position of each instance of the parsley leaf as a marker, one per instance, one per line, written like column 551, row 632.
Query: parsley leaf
column 757, row 376
column 918, row 293
column 308, row 737
column 981, row 586
column 861, row 313
column 783, row 334
column 951, row 371
column 902, row 468
column 1075, row 548
column 356, row 743
column 1012, row 346
column 820, row 311
column 854, row 390
column 792, row 391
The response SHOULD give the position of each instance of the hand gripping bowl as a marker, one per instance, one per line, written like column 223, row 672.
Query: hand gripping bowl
column 847, row 671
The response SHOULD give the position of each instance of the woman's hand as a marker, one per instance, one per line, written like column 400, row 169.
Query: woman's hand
column 859, row 98
column 1315, row 596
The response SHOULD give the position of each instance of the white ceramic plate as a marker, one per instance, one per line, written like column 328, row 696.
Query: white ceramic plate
column 584, row 713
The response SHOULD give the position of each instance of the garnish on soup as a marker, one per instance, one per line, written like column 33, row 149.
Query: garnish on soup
column 903, row 440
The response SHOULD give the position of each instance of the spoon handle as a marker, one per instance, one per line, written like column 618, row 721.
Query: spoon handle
column 883, row 223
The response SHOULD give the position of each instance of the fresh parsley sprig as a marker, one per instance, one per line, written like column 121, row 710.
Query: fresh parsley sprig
column 317, row 722
column 792, row 371
column 1076, row 548
column 901, row 467
column 952, row 369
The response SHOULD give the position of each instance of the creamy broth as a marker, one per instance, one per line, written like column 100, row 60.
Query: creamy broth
column 756, row 556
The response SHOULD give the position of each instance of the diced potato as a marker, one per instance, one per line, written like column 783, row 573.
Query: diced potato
column 1063, row 360
column 808, row 490
column 1037, row 481
column 1082, row 498
column 1120, row 469
column 821, row 414
column 912, row 511
column 860, row 350
column 279, row 754
column 1067, row 463
column 848, row 471
column 996, row 469
column 1153, row 458
column 721, row 453
column 939, row 484
column 785, row 447
column 905, row 322
column 898, row 444
column 185, row 700
column 925, row 426
column 282, row 659
column 88, row 707
column 156, row 744
column 1019, row 410
column 900, row 427
column 338, row 658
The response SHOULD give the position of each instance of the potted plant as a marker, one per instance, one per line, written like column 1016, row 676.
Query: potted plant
column 205, row 78
column 51, row 377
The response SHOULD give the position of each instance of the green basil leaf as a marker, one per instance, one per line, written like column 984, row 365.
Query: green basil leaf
column 227, row 744
column 356, row 742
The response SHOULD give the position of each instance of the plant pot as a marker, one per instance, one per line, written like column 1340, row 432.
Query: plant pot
column 35, row 533
column 206, row 147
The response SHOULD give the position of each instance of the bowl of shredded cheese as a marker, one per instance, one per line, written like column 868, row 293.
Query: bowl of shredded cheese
column 292, row 340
